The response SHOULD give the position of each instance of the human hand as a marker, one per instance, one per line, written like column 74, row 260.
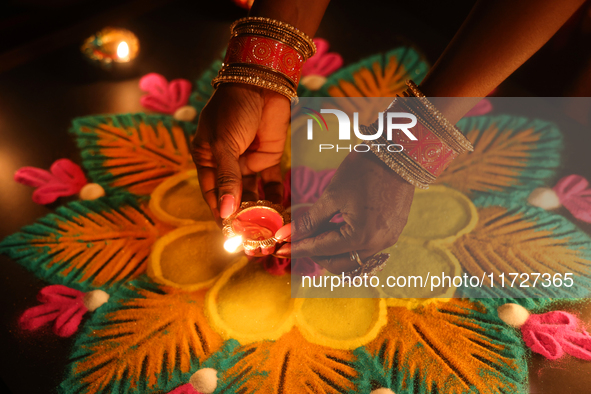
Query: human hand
column 374, row 202
column 241, row 132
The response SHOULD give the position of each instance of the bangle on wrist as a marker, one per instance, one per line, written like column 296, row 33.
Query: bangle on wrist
column 265, row 53
column 438, row 141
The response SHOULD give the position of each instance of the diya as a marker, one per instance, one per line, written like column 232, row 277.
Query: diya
column 253, row 227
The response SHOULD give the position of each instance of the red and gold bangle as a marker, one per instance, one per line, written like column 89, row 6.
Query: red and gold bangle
column 438, row 142
column 270, row 27
column 265, row 53
column 252, row 75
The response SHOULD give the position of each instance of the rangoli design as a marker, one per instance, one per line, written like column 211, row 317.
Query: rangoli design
column 179, row 307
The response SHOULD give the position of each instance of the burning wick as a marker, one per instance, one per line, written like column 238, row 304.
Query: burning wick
column 233, row 244
column 122, row 50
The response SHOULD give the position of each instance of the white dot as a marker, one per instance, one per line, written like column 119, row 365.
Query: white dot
column 204, row 380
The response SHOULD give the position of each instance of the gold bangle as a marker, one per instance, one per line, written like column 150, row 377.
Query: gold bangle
column 289, row 40
column 412, row 168
column 277, row 26
column 268, row 73
column 253, row 76
column 450, row 128
column 433, row 126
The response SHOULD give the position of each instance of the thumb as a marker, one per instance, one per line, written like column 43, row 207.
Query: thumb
column 228, row 182
column 307, row 224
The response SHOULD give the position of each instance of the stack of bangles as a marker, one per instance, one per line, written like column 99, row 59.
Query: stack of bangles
column 437, row 144
column 266, row 53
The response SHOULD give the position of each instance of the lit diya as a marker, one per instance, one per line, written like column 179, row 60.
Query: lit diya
column 253, row 227
column 111, row 45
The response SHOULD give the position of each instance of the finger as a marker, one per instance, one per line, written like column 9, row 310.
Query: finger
column 329, row 243
column 273, row 184
column 309, row 222
column 206, row 176
column 250, row 189
column 284, row 250
column 228, row 181
column 284, row 233
column 336, row 264
column 342, row 263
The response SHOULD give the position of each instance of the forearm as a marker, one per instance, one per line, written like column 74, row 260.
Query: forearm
column 497, row 37
column 303, row 14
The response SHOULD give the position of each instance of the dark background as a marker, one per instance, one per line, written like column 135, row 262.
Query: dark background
column 45, row 82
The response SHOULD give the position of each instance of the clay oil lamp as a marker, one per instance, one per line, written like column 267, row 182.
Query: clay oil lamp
column 253, row 226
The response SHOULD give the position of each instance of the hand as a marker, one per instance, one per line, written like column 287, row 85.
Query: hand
column 374, row 202
column 241, row 132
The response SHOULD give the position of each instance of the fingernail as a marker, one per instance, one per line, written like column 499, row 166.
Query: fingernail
column 283, row 233
column 226, row 205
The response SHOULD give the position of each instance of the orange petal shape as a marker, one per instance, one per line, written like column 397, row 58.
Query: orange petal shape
column 294, row 365
column 143, row 338
column 133, row 152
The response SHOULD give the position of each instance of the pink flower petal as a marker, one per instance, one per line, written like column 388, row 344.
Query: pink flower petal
column 551, row 322
column 577, row 344
column 544, row 344
column 163, row 96
column 37, row 316
column 322, row 63
column 60, row 303
column 483, row 107
column 68, row 173
column 65, row 178
column 68, row 321
column 574, row 194
column 31, row 176
column 184, row 389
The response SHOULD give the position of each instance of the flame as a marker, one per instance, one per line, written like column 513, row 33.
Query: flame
column 232, row 244
column 123, row 50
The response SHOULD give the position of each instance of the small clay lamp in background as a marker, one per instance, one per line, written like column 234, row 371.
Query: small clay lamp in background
column 253, row 227
column 111, row 46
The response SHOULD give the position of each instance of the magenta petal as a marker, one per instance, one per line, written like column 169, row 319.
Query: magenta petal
column 555, row 322
column 155, row 103
column 154, row 83
column 47, row 194
column 322, row 63
column 184, row 389
column 322, row 46
column 577, row 344
column 574, row 194
column 328, row 64
column 31, row 176
column 483, row 107
column 61, row 290
column 59, row 293
column 543, row 343
column 304, row 185
column 68, row 172
column 571, row 184
column 37, row 316
column 580, row 207
column 68, row 321
column 163, row 96
column 179, row 91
